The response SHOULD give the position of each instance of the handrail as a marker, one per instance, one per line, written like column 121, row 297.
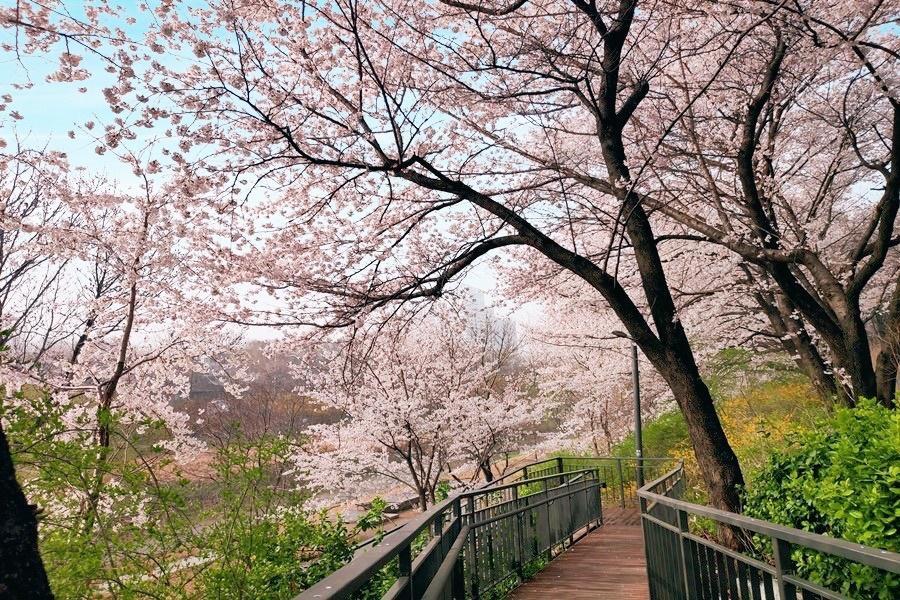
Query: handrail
column 398, row 545
column 523, row 468
column 436, row 588
column 482, row 537
column 683, row 565
column 357, row 573
column 520, row 510
column 875, row 557
column 451, row 581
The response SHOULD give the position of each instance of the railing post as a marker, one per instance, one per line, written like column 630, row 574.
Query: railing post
column 559, row 469
column 600, row 502
column 549, row 529
column 404, row 563
column 458, row 582
column 437, row 526
column 519, row 534
column 687, row 561
column 471, row 554
column 571, row 514
column 621, row 483
column 783, row 565
column 520, row 546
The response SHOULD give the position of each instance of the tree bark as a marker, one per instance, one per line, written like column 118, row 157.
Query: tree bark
column 781, row 314
column 715, row 457
column 22, row 573
column 889, row 352
column 486, row 471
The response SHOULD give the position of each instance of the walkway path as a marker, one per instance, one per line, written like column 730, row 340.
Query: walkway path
column 607, row 563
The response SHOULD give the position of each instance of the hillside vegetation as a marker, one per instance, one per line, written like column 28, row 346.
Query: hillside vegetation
column 758, row 420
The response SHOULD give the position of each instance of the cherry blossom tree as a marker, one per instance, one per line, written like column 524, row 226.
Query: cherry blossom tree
column 505, row 411
column 98, row 354
column 361, row 155
column 788, row 157
column 28, row 275
column 404, row 154
column 420, row 399
column 589, row 374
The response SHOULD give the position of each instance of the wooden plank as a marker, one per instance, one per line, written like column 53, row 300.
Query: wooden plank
column 607, row 563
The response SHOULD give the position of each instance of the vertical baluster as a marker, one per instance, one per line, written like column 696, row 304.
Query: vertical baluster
column 599, row 506
column 472, row 554
column 731, row 572
column 520, row 545
column 404, row 561
column 742, row 580
column 721, row 575
column 688, row 577
column 547, row 512
column 458, row 581
column 783, row 565
column 768, row 587
column 755, row 584
column 621, row 483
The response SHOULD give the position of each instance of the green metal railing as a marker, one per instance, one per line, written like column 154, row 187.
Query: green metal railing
column 482, row 542
column 682, row 564
column 620, row 475
column 472, row 544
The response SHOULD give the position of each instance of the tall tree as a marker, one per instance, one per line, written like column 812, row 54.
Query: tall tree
column 789, row 158
column 434, row 395
column 405, row 153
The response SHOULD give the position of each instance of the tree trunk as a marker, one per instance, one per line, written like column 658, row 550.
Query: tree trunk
column 806, row 354
column 889, row 352
column 858, row 359
column 717, row 461
column 486, row 471
column 887, row 378
column 22, row 573
column 674, row 360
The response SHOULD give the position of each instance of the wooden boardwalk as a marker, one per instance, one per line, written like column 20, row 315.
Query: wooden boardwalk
column 607, row 563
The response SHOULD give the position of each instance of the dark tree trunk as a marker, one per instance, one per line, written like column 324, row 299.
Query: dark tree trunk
column 486, row 471
column 717, row 461
column 674, row 359
column 887, row 378
column 715, row 457
column 889, row 352
column 858, row 358
column 665, row 341
column 806, row 354
column 22, row 573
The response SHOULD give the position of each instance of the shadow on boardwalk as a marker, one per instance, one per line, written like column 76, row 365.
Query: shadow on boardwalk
column 607, row 563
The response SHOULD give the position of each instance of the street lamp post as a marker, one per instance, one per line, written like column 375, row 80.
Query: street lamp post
column 636, row 391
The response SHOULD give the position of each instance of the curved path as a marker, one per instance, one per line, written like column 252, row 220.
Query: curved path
column 609, row 562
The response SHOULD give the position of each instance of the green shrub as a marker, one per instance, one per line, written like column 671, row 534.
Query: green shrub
column 238, row 529
column 660, row 437
column 841, row 479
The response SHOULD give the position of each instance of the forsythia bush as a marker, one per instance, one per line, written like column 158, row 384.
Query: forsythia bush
column 757, row 421
column 841, row 479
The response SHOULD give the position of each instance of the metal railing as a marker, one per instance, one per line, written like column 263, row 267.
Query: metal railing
column 682, row 564
column 620, row 475
column 468, row 545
